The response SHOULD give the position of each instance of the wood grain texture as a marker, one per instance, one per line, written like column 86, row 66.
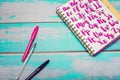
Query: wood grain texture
column 12, row 11
column 51, row 37
column 63, row 66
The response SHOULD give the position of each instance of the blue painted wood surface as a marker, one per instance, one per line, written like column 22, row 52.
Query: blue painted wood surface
column 31, row 11
column 51, row 37
column 63, row 66
column 68, row 58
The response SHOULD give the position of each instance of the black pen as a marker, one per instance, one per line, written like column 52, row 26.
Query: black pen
column 37, row 70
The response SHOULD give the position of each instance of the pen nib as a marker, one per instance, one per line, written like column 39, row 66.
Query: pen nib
column 17, row 78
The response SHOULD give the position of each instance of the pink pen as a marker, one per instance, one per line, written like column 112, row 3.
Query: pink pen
column 33, row 35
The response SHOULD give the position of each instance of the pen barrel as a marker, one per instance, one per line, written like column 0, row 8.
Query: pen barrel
column 34, row 33
column 33, row 36
column 37, row 70
column 33, row 74
column 27, row 50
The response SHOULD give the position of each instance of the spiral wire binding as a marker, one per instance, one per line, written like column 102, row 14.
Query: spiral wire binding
column 79, row 36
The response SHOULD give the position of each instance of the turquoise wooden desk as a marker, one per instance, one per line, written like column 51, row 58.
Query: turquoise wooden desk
column 68, row 58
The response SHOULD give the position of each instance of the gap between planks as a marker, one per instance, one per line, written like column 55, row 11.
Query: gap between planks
column 61, row 52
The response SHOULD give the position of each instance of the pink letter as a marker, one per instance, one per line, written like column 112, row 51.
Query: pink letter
column 65, row 8
column 91, row 40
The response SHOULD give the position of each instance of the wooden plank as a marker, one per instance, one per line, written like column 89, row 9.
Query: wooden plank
column 29, row 12
column 33, row 10
column 63, row 66
column 51, row 37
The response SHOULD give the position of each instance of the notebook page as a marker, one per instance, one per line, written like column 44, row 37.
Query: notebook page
column 93, row 22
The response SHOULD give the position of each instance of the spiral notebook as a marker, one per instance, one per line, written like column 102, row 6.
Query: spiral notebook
column 94, row 22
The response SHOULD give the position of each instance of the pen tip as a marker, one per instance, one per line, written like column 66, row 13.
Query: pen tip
column 48, row 60
column 17, row 78
column 34, row 44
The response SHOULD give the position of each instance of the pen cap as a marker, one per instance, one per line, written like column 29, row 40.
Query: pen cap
column 34, row 33
column 33, row 36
